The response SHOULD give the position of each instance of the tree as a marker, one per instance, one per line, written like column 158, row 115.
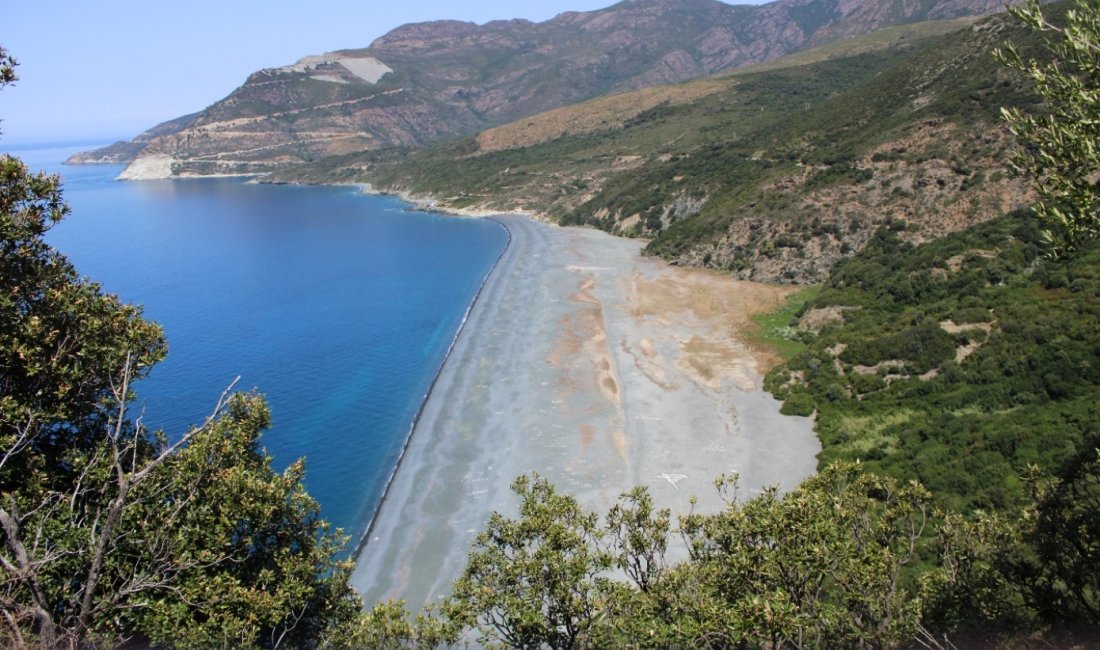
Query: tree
column 109, row 531
column 244, row 556
column 640, row 538
column 1061, row 149
column 389, row 626
column 1032, row 574
column 820, row 566
column 534, row 581
column 973, row 594
column 67, row 353
column 1063, row 530
column 7, row 68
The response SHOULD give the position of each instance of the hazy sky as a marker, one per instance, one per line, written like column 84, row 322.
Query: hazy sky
column 109, row 69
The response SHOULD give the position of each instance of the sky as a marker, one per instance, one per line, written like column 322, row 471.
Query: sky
column 105, row 70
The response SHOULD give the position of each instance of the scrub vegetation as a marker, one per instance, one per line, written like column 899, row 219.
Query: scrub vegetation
column 772, row 172
column 955, row 383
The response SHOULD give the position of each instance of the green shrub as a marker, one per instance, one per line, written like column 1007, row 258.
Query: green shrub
column 798, row 404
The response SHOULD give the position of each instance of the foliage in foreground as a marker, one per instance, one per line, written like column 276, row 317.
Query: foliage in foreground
column 818, row 566
column 829, row 564
column 1059, row 148
column 108, row 531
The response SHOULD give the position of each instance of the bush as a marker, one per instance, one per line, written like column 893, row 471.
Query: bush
column 799, row 404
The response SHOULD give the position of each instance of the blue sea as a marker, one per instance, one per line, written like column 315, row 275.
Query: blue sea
column 338, row 307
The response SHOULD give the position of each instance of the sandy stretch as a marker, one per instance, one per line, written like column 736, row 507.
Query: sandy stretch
column 597, row 368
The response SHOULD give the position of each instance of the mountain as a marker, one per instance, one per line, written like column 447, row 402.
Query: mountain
column 427, row 81
column 123, row 151
column 772, row 172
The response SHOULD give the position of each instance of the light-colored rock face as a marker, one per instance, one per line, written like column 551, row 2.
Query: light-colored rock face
column 148, row 167
column 328, row 78
column 307, row 63
column 367, row 68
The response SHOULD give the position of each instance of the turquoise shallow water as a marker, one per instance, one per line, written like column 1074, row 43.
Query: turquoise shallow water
column 338, row 307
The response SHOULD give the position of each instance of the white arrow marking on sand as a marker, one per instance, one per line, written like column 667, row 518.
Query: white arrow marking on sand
column 673, row 478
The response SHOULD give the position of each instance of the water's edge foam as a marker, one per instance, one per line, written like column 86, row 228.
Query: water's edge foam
column 363, row 540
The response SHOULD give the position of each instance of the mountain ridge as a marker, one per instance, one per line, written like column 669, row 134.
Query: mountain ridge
column 450, row 78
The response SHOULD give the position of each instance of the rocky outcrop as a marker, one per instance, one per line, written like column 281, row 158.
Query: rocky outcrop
column 148, row 167
column 426, row 81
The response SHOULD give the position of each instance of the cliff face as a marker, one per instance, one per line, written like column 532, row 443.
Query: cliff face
column 426, row 81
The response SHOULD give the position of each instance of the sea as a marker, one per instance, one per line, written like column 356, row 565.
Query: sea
column 338, row 306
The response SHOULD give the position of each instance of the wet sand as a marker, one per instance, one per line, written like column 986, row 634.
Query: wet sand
column 599, row 369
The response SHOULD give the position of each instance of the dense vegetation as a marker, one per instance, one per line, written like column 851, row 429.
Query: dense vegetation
column 840, row 142
column 958, row 363
column 1059, row 145
column 968, row 360
column 109, row 531
column 833, row 563
column 956, row 388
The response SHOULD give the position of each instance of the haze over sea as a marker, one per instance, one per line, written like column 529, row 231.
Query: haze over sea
column 339, row 307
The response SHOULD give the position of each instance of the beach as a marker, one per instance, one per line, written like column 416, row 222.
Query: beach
column 600, row 370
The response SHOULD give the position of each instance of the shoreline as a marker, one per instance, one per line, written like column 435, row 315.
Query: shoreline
column 597, row 368
column 432, row 205
column 427, row 395
column 417, row 202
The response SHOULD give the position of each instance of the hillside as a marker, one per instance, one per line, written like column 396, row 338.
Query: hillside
column 958, row 362
column 427, row 81
column 773, row 172
column 125, row 151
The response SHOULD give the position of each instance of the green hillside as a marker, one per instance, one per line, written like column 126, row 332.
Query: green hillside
column 915, row 143
column 959, row 363
column 772, row 173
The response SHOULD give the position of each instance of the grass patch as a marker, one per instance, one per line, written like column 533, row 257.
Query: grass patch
column 778, row 330
column 864, row 433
